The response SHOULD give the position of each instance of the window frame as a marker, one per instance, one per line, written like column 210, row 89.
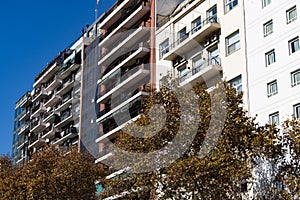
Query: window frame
column 265, row 3
column 182, row 35
column 234, row 43
column 164, row 49
column 294, row 40
column 198, row 27
column 265, row 27
column 269, row 53
column 296, row 109
column 230, row 4
column 288, row 20
column 270, row 88
column 271, row 121
column 293, row 80
column 236, row 83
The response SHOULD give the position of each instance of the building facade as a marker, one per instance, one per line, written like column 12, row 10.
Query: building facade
column 51, row 110
column 272, row 35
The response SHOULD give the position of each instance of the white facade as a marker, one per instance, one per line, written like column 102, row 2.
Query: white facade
column 213, row 40
column 269, row 28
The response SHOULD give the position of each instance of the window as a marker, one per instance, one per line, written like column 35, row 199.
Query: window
column 198, row 62
column 196, row 25
column 294, row 45
column 270, row 57
column 266, row 2
column 295, row 77
column 297, row 111
column 268, row 28
column 236, row 83
column 182, row 35
column 230, row 4
column 212, row 14
column 272, row 88
column 274, row 118
column 164, row 48
column 233, row 42
column 183, row 73
column 291, row 15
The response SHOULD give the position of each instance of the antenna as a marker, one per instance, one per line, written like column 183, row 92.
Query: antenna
column 96, row 9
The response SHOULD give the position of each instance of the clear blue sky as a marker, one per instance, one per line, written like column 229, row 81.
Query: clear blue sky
column 33, row 32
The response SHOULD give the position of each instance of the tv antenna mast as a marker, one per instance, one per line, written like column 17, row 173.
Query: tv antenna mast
column 96, row 9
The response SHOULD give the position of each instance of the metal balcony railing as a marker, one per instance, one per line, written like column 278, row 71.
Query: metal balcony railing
column 183, row 37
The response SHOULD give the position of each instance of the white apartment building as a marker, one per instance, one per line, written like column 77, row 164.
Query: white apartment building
column 200, row 37
column 272, row 35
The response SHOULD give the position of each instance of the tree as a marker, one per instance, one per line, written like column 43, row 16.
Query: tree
column 223, row 172
column 51, row 174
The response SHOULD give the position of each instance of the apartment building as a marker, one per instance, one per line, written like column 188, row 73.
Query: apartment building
column 119, row 48
column 51, row 110
column 272, row 35
column 197, row 40
column 19, row 151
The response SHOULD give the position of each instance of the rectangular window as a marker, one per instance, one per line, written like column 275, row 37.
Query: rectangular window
column 230, row 4
column 212, row 15
column 236, row 83
column 274, row 118
column 270, row 57
column 266, row 2
column 291, row 15
column 297, row 111
column 164, row 48
column 196, row 25
column 295, row 77
column 233, row 42
column 182, row 35
column 183, row 73
column 268, row 28
column 294, row 45
column 198, row 63
column 272, row 88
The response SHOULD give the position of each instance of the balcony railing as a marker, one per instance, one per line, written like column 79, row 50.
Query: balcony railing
column 191, row 34
column 201, row 68
column 119, row 77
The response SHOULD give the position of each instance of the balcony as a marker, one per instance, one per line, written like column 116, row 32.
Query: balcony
column 205, row 71
column 191, row 40
column 25, row 129
column 38, row 94
column 22, row 142
column 70, row 65
column 66, row 117
column 67, row 85
column 126, row 43
column 51, row 85
column 68, row 133
column 121, row 10
column 53, row 99
column 121, row 102
column 119, row 82
column 51, row 116
column 110, row 126
column 67, row 102
column 37, row 125
column 49, row 132
column 27, row 102
column 36, row 140
column 38, row 109
column 128, row 59
column 26, row 115
column 46, row 74
column 130, row 18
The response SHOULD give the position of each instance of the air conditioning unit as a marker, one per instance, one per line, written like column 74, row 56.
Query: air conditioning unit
column 207, row 42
